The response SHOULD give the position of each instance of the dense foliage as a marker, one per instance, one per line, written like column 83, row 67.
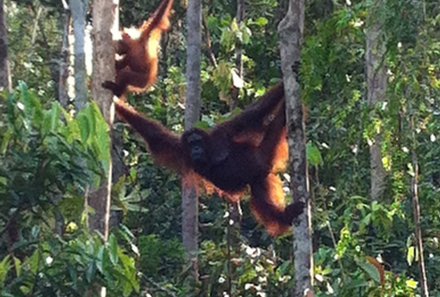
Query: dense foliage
column 52, row 157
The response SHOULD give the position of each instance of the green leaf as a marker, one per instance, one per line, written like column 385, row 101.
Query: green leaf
column 284, row 267
column 18, row 266
column 227, row 39
column 5, row 141
column 72, row 131
column 371, row 270
column 55, row 114
column 313, row 155
column 410, row 255
column 73, row 276
column 261, row 21
column 91, row 272
column 33, row 107
column 234, row 25
column 5, row 265
column 410, row 283
column 246, row 35
column 101, row 139
column 34, row 261
column 113, row 249
column 92, row 112
column 84, row 127
column 51, row 118
column 129, row 272
column 100, row 259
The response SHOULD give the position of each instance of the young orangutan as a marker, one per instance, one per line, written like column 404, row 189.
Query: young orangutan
column 137, row 70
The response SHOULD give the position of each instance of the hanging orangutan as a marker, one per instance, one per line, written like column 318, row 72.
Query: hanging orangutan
column 137, row 70
column 246, row 151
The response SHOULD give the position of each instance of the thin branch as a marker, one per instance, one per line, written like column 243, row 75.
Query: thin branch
column 416, row 212
column 208, row 43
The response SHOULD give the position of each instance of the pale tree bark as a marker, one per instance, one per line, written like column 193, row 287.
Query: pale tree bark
column 190, row 205
column 103, row 69
column 104, row 23
column 118, row 165
column 5, row 74
column 416, row 213
column 291, row 35
column 63, row 84
column 377, row 86
column 78, row 9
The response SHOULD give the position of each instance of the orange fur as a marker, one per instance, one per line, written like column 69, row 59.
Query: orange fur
column 281, row 154
column 138, row 68
column 242, row 154
column 274, row 205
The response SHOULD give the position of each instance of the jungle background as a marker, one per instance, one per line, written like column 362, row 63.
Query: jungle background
column 53, row 152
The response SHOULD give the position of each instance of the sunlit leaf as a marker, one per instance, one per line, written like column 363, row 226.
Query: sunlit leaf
column 410, row 255
column 5, row 266
column 261, row 21
column 410, row 283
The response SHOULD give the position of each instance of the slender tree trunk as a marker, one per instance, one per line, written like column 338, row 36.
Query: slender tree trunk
column 190, row 206
column 416, row 213
column 377, row 86
column 63, row 87
column 291, row 34
column 78, row 10
column 103, row 69
column 5, row 74
column 104, row 22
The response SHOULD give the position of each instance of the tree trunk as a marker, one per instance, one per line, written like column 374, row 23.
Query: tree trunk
column 291, row 34
column 63, row 85
column 103, row 69
column 190, row 206
column 118, row 165
column 377, row 86
column 5, row 75
column 104, row 22
column 78, row 9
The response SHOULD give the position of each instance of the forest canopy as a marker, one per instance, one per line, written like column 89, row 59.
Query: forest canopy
column 369, row 79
